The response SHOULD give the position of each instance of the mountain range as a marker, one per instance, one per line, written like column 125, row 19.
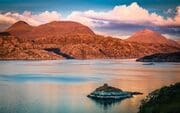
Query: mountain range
column 72, row 40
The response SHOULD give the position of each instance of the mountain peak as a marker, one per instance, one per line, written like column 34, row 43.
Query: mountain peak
column 60, row 22
column 54, row 28
column 19, row 27
column 21, row 23
column 59, row 28
column 147, row 32
column 150, row 36
column 146, row 36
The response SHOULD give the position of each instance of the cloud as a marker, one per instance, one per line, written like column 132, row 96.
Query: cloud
column 120, row 21
column 122, row 14
column 7, row 19
column 169, row 11
column 123, row 20
column 169, row 36
column 132, row 14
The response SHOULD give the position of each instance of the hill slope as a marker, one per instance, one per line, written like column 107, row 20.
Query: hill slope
column 67, row 40
column 19, row 29
column 163, row 100
column 52, row 29
column 149, row 36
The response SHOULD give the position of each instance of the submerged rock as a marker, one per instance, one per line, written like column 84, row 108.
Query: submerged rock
column 109, row 92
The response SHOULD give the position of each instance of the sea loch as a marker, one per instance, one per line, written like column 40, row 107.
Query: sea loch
column 61, row 86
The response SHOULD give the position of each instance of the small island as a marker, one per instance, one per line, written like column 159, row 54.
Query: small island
column 107, row 92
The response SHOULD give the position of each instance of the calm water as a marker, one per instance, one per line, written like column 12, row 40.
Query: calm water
column 62, row 86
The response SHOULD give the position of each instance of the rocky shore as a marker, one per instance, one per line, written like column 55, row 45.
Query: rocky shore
column 161, row 57
column 163, row 100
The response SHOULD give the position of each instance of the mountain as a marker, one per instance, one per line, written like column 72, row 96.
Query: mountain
column 76, row 47
column 52, row 29
column 19, row 29
column 69, row 40
column 149, row 36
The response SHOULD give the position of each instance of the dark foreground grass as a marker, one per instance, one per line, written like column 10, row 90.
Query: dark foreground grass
column 164, row 100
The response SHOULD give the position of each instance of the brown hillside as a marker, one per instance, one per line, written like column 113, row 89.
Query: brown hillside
column 55, row 28
column 57, row 40
column 149, row 36
column 19, row 29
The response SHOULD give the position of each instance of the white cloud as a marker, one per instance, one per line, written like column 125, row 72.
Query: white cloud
column 169, row 11
column 105, row 22
column 85, row 18
column 169, row 36
column 114, row 35
column 132, row 14
column 37, row 19
column 9, row 18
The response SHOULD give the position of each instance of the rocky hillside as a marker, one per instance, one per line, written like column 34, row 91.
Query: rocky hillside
column 149, row 36
column 13, row 49
column 163, row 100
column 53, row 41
column 52, row 29
column 19, row 29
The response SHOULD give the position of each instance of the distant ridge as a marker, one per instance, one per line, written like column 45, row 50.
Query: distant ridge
column 149, row 36
column 55, row 28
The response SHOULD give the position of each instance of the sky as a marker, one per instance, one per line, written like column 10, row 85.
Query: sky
column 119, row 18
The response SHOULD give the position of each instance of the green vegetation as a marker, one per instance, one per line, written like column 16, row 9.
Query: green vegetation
column 164, row 100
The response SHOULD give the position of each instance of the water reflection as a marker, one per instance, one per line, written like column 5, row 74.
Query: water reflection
column 105, row 104
column 62, row 86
